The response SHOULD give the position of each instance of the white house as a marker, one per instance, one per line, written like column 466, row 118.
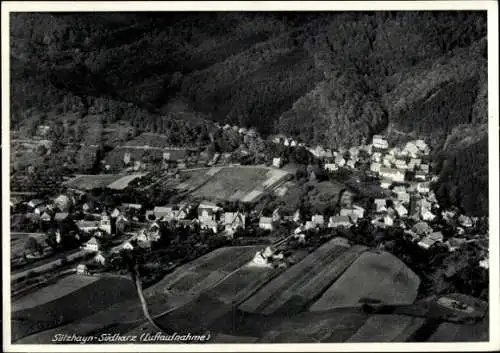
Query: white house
column 318, row 220
column 380, row 205
column 424, row 168
column 422, row 228
column 340, row 161
column 207, row 211
column 420, row 175
column 332, row 167
column 309, row 225
column 400, row 164
column 376, row 156
column 401, row 210
column 385, row 183
column 127, row 246
column 404, row 197
column 426, row 214
column 266, row 223
column 421, row 145
column 423, row 188
column 485, row 263
column 426, row 243
column 296, row 216
column 100, row 259
column 465, row 221
column 379, row 142
column 393, row 174
column 233, row 221
column 277, row 162
column 388, row 220
column 339, row 221
column 87, row 226
column 351, row 163
column 375, row 167
column 414, row 162
column 92, row 245
column 411, row 148
column 81, row 269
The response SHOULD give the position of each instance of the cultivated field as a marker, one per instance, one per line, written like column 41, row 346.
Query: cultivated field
column 61, row 288
column 80, row 303
column 304, row 281
column 387, row 328
column 113, row 181
column 374, row 275
column 235, row 183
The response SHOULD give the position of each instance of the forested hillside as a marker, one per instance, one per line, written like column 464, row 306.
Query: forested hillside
column 331, row 78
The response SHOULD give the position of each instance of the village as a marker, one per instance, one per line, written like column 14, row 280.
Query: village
column 403, row 173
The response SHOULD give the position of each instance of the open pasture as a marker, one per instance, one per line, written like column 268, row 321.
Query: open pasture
column 89, row 182
column 374, row 275
column 236, row 183
column 304, row 281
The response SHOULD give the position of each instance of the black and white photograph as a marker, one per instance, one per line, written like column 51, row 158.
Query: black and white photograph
column 237, row 175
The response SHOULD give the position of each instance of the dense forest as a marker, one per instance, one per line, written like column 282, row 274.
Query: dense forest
column 332, row 78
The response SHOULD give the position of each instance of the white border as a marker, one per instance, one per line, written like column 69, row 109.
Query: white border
column 493, row 111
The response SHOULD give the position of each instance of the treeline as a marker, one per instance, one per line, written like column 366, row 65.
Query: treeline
column 463, row 178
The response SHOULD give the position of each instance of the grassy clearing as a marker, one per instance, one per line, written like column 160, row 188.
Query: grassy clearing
column 61, row 288
column 375, row 275
column 89, row 182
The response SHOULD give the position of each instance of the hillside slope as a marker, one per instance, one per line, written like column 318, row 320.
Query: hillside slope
column 331, row 78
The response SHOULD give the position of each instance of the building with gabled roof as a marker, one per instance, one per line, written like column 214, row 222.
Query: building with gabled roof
column 234, row 221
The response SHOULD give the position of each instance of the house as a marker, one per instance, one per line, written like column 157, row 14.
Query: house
column 45, row 217
column 296, row 216
column 392, row 174
column 379, row 142
column 375, row 167
column 100, row 259
column 400, row 164
column 115, row 213
column 233, row 221
column 376, row 156
column 208, row 223
column 310, row 225
column 399, row 189
column 183, row 211
column 455, row 243
column 121, row 223
column 293, row 143
column 208, row 210
column 81, row 269
column 426, row 214
column 127, row 245
column 242, row 130
column 436, row 236
column 286, row 142
column 331, row 167
column 414, row 162
column 423, row 188
column 426, row 243
column 420, row 175
column 340, row 161
column 424, row 168
column 465, row 221
column 260, row 260
column 395, row 151
column 387, row 163
column 351, row 163
column 421, row 145
column 133, row 206
column 411, row 148
column 92, row 245
column 356, row 211
column 85, row 207
column 62, row 202
column 401, row 210
column 339, row 221
column 380, row 205
column 276, row 216
column 403, row 197
column 299, row 230
column 301, row 237
column 61, row 216
column 318, row 220
column 266, row 223
column 385, row 183
column 388, row 220
column 277, row 162
column 87, row 226
column 422, row 228
column 34, row 203
column 484, row 263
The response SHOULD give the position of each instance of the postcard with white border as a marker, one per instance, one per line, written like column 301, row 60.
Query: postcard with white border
column 250, row 176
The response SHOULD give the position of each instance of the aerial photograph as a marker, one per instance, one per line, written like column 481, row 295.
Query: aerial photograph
column 248, row 177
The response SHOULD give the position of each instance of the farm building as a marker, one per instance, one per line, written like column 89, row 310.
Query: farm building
column 87, row 226
column 331, row 167
column 426, row 243
column 208, row 210
column 318, row 220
